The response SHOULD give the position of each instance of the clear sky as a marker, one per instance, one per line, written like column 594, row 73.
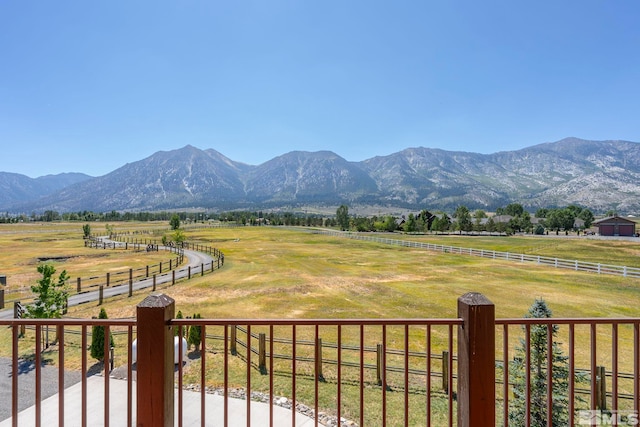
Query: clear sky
column 87, row 86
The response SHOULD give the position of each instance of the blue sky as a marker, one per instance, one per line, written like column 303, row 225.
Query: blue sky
column 87, row 86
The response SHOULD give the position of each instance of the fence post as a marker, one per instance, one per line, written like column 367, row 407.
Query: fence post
column 601, row 388
column 1, row 298
column 476, row 361
column 173, row 277
column 233, row 338
column 155, row 364
column 108, row 278
column 445, row 371
column 262, row 353
column 130, row 282
column 100, row 294
column 201, row 269
column 379, row 364
column 79, row 285
column 320, row 377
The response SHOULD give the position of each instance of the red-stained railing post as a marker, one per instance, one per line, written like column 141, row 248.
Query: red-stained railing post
column 476, row 361
column 155, row 364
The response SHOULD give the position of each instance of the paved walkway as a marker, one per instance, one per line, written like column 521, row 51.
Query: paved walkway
column 118, row 409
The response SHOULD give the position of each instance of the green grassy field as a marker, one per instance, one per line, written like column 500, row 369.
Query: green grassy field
column 278, row 273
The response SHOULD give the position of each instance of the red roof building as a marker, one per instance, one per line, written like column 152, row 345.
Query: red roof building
column 615, row 226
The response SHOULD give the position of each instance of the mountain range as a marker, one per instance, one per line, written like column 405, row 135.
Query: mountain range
column 600, row 175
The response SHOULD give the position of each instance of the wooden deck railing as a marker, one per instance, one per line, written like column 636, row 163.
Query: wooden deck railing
column 480, row 389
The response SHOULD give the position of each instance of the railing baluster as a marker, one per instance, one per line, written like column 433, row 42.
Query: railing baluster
column 594, row 373
column 271, row 388
column 572, row 367
column 38, row 380
column 361, row 375
column 384, row 375
column 614, row 367
column 549, row 374
column 203, row 385
column 130, row 376
column 84, row 375
column 527, row 364
column 60, row 332
column 406, row 375
column 248, row 375
column 428, row 373
column 107, row 348
column 450, row 382
column 339, row 373
column 14, row 376
column 293, row 375
column 315, row 379
column 225, row 359
column 505, row 376
column 636, row 367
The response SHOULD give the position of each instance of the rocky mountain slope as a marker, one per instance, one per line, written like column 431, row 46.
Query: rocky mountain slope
column 16, row 188
column 601, row 175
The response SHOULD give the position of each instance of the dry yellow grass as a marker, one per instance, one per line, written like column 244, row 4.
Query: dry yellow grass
column 276, row 273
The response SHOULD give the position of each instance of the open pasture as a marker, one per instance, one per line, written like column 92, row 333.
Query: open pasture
column 24, row 246
column 280, row 273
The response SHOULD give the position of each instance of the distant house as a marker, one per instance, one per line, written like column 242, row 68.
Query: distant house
column 502, row 219
column 615, row 226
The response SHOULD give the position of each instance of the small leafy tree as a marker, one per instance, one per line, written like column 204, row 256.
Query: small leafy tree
column 86, row 231
column 194, row 334
column 174, row 222
column 51, row 296
column 538, row 375
column 342, row 216
column 97, row 338
column 179, row 236
column 463, row 217
column 410, row 225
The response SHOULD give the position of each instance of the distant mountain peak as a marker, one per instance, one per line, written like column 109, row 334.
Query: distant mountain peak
column 601, row 175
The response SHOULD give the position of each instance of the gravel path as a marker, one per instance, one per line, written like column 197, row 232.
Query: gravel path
column 26, row 384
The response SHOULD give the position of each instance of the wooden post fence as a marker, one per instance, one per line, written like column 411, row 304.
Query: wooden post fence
column 379, row 364
column 262, row 353
column 130, row 282
column 445, row 371
column 233, row 337
column 320, row 376
column 601, row 388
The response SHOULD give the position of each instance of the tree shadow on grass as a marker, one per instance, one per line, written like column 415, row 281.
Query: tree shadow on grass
column 27, row 364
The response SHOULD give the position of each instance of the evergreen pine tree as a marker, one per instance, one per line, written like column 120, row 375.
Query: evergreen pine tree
column 176, row 331
column 538, row 375
column 194, row 334
column 97, row 338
